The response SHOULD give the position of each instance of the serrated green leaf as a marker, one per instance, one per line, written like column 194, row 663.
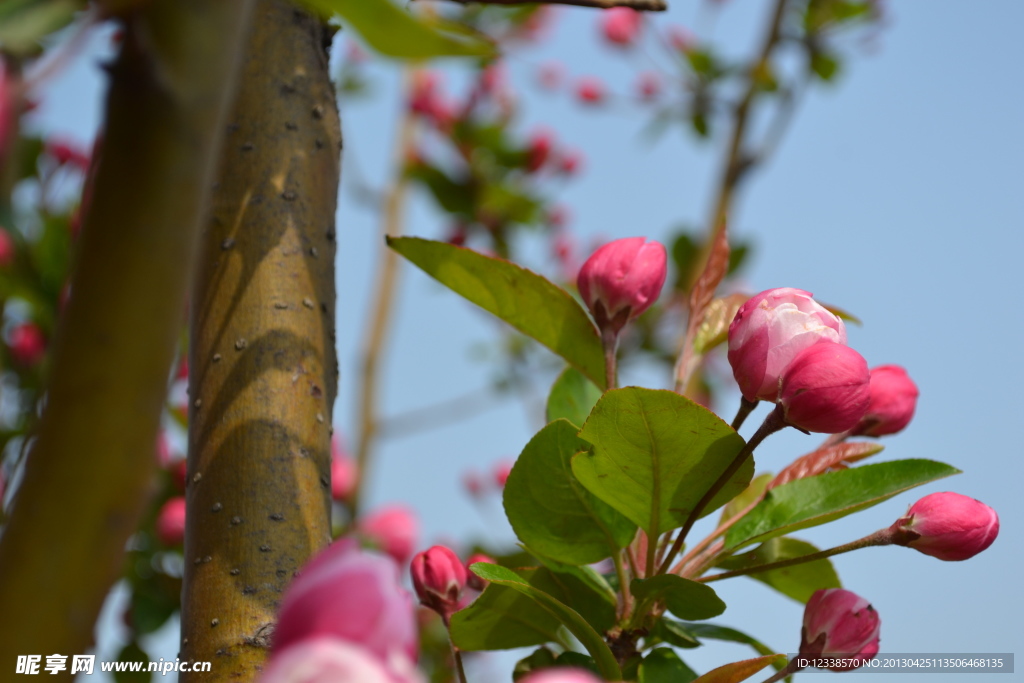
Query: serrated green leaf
column 684, row 598
column 572, row 397
column 799, row 581
column 394, row 32
column 23, row 23
column 817, row 500
column 655, row 454
column 663, row 665
column 526, row 301
column 570, row 618
column 740, row 671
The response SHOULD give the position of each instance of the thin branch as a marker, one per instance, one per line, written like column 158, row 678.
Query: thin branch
column 639, row 5
column 738, row 158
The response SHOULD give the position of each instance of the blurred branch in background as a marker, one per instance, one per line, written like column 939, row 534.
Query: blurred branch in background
column 114, row 347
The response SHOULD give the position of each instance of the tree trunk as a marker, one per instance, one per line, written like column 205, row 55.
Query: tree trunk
column 263, row 366
column 89, row 472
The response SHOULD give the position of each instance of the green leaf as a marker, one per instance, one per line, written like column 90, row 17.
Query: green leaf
column 133, row 653
column 726, row 634
column 525, row 300
column 817, row 500
column 502, row 618
column 684, row 598
column 672, row 632
column 551, row 512
column 748, row 496
column 655, row 454
column 663, row 665
column 824, row 66
column 570, row 618
column 578, row 660
column 23, row 23
column 740, row 671
column 799, row 581
column 594, row 587
column 572, row 397
column 452, row 196
column 394, row 32
column 541, row 658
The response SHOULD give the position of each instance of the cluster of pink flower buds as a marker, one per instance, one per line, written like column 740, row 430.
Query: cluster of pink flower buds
column 393, row 529
column 840, row 625
column 345, row 617
column 428, row 100
column 948, row 526
column 787, row 348
column 621, row 280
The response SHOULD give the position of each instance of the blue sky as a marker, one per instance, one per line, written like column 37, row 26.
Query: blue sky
column 897, row 194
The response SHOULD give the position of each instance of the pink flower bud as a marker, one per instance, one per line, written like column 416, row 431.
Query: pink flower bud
column 769, row 330
column 538, row 150
column 681, row 39
column 561, row 675
column 394, row 529
column 319, row 660
column 67, row 153
column 893, row 400
column 344, row 473
column 648, row 86
column 472, row 580
column 438, row 577
column 621, row 280
column 948, row 526
column 621, row 25
column 838, row 622
column 502, row 469
column 351, row 594
column 825, row 388
column 590, row 90
column 27, row 343
column 558, row 216
column 343, row 478
column 568, row 162
column 164, row 454
column 7, row 249
column 550, row 75
column 170, row 522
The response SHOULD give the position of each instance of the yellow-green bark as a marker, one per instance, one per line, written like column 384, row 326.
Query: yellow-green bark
column 86, row 477
column 263, row 368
